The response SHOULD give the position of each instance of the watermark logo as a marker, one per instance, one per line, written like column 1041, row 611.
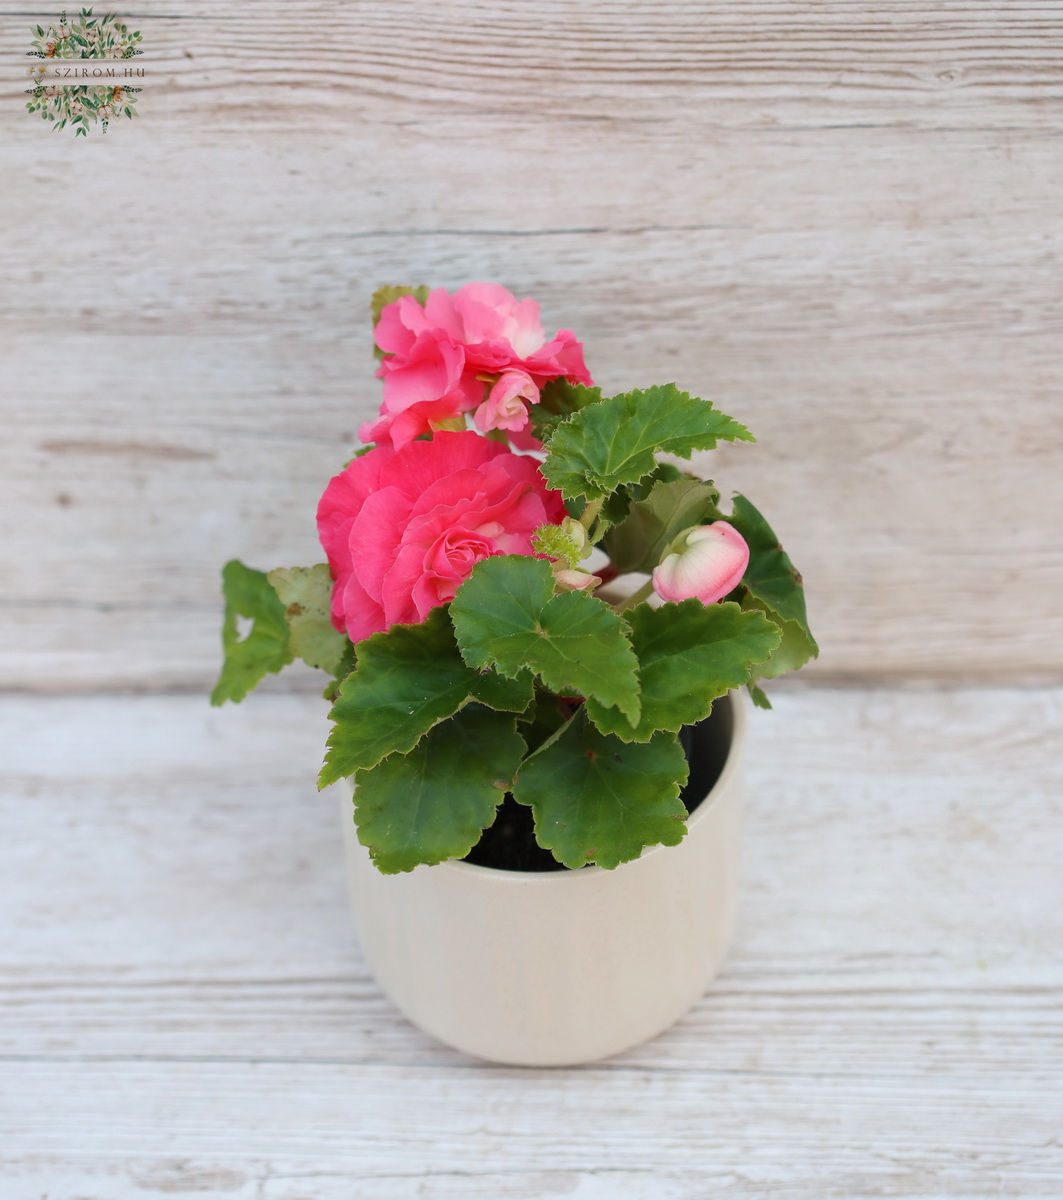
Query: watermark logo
column 86, row 76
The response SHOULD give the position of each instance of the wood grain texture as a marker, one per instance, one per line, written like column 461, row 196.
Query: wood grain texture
column 839, row 222
column 183, row 1007
column 858, row 62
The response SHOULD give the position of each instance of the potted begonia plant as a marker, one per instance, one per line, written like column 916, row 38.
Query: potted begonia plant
column 515, row 724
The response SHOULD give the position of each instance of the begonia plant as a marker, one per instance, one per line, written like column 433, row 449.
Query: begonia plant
column 475, row 642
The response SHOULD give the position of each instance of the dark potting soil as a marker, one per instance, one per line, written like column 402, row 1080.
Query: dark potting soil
column 509, row 844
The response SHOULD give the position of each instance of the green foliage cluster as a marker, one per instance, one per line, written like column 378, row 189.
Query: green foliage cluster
column 568, row 701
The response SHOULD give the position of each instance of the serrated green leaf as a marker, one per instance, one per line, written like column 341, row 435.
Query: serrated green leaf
column 598, row 799
column 618, row 505
column 505, row 615
column 795, row 648
column 773, row 585
column 306, row 593
column 406, row 681
column 547, row 714
column 758, row 697
column 688, row 655
column 345, row 667
column 499, row 692
column 265, row 648
column 638, row 543
column 614, row 442
column 558, row 399
column 770, row 577
column 433, row 803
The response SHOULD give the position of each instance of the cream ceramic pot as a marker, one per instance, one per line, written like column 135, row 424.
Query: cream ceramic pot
column 560, row 967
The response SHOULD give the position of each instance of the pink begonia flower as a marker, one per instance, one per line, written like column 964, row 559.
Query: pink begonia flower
column 710, row 562
column 423, row 389
column 506, row 406
column 438, row 354
column 524, row 439
column 403, row 529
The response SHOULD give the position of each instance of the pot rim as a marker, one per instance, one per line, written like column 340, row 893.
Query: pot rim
column 731, row 766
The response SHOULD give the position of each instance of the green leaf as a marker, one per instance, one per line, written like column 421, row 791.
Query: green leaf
column 598, row 799
column 618, row 505
column 688, row 654
column 306, row 593
column 773, row 585
column 758, row 697
column 770, row 577
column 561, row 397
column 614, row 442
column 433, row 803
column 406, row 681
column 499, row 692
column 796, row 647
column 638, row 543
column 344, row 668
column 543, row 719
column 265, row 649
column 558, row 399
column 506, row 615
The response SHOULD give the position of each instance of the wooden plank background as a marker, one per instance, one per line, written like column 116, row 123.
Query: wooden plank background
column 840, row 221
column 184, row 1009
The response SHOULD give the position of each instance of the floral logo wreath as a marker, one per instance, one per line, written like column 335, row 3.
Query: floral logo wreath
column 85, row 39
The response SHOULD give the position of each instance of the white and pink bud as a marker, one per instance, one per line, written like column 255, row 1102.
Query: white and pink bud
column 705, row 564
column 570, row 580
column 506, row 406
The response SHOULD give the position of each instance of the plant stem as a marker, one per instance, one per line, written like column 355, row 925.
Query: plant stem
column 590, row 513
column 636, row 597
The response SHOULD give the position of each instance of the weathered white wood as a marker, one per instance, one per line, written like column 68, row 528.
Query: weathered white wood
column 183, row 1008
column 964, row 63
column 842, row 223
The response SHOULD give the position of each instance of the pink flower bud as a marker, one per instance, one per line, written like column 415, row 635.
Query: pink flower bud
column 575, row 581
column 506, row 407
column 706, row 566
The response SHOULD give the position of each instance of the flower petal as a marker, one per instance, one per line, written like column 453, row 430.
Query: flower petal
column 708, row 566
